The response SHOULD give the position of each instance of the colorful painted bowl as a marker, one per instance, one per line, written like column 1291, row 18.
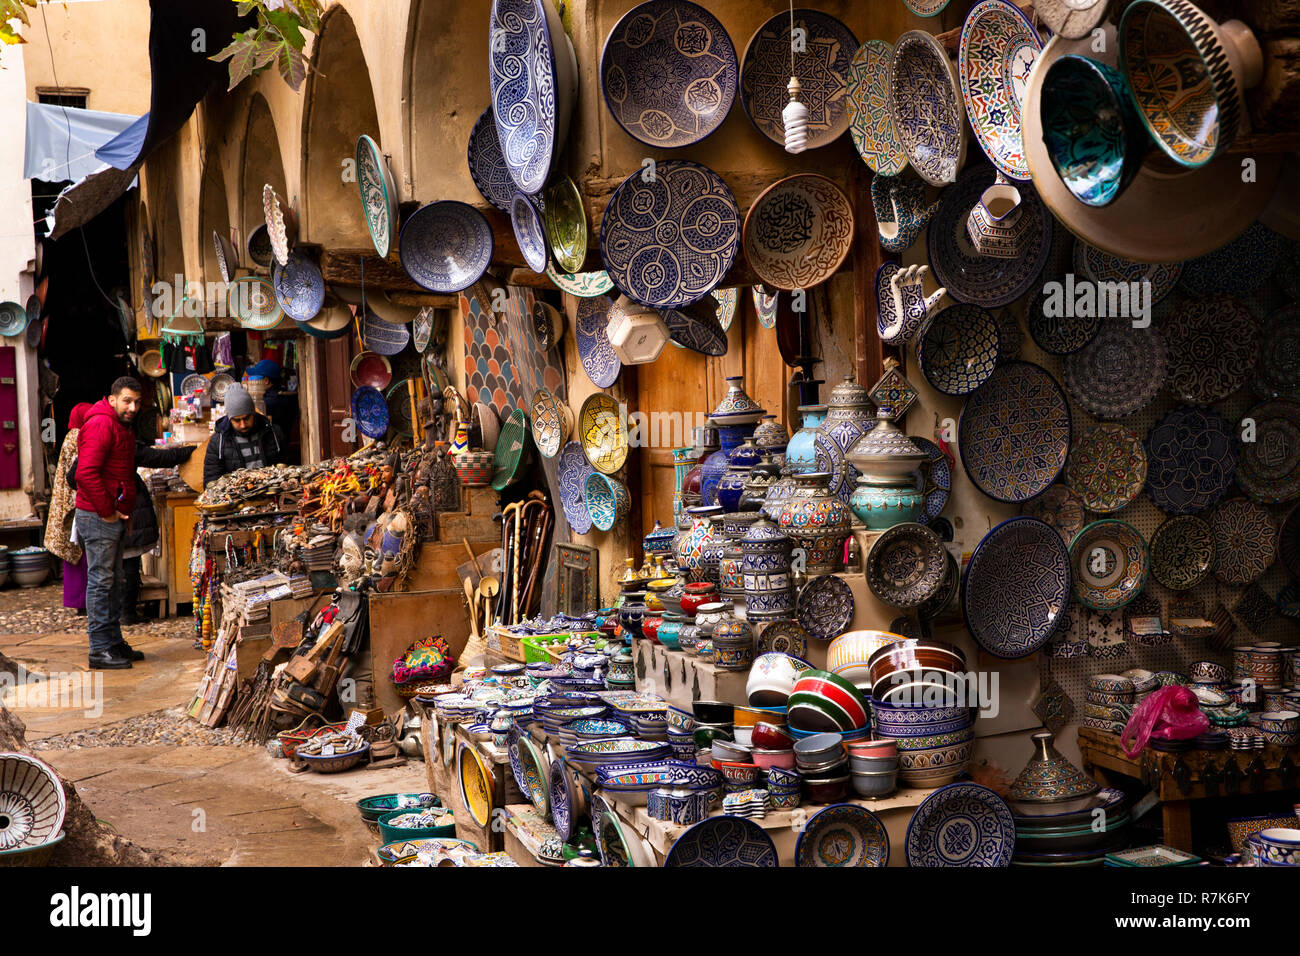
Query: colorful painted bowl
column 770, row 736
column 848, row 654
column 772, row 678
column 926, row 105
column 738, row 775
column 602, row 430
column 1110, row 564
column 552, row 422
column 767, row 759
column 608, row 500
column 822, row 701
column 392, row 834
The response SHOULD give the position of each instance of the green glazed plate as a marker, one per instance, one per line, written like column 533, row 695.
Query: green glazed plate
column 566, row 224
column 512, row 449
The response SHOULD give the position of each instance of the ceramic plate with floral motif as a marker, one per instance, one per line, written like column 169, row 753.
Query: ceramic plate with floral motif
column 825, row 607
column 594, row 349
column 1182, row 552
column 926, row 105
column 1016, row 591
column 959, row 349
column 962, row 824
column 1110, row 563
column 997, row 51
column 1245, row 538
column 1107, row 467
column 1213, row 347
column 1279, row 360
column 572, row 469
column 842, row 835
column 1054, row 326
column 584, row 285
column 870, row 123
column 906, row 565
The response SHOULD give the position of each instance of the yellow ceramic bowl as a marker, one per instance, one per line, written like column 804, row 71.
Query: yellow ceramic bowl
column 475, row 785
column 603, row 433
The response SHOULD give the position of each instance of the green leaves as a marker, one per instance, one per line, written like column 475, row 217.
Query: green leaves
column 277, row 38
column 13, row 10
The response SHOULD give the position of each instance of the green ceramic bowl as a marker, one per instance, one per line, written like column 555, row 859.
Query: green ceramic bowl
column 392, row 834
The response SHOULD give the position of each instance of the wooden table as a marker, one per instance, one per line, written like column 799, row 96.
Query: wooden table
column 1105, row 760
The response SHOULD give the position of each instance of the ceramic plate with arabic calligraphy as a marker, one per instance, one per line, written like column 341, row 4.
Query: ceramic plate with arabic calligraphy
column 822, row 67
column 985, row 280
column 1120, row 371
column 798, row 232
column 487, row 167
column 1213, row 347
column 1014, row 433
column 926, row 105
column 870, row 123
column 1110, row 563
column 1107, row 467
column 936, row 478
column 1101, row 266
column 962, row 824
column 378, row 195
column 1017, row 587
column 1191, row 460
column 594, row 349
column 668, row 242
column 998, row 48
column 1270, row 465
column 906, row 565
column 1182, row 552
column 959, row 349
column 825, row 607
column 1245, row 538
column 584, row 285
column 572, row 470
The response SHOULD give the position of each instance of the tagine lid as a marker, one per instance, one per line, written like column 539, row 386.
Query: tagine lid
column 848, row 394
column 736, row 407
column 1049, row 777
column 765, row 531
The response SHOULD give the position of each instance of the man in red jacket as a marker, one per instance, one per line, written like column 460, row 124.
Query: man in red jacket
column 105, row 498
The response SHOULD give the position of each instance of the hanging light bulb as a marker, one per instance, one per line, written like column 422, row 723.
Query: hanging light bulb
column 795, row 116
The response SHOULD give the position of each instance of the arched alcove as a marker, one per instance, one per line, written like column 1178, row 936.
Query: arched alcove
column 262, row 164
column 214, row 214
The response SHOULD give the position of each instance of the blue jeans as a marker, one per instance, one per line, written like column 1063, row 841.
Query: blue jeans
column 102, row 541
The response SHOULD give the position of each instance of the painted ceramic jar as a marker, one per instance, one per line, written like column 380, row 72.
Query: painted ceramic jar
column 709, row 616
column 736, row 407
column 631, row 614
column 772, row 438
column 731, row 580
column 758, row 482
column 688, row 636
column 716, row 465
column 765, row 571
column 881, row 503
column 733, row 645
column 650, row 625
column 692, row 546
column 696, row 594
column 816, row 521
column 669, row 631
column 800, row 455
column 658, row 541
column 850, row 414
column 731, row 488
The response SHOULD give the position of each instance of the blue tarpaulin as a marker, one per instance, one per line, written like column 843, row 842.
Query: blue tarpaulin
column 121, row 151
column 65, row 143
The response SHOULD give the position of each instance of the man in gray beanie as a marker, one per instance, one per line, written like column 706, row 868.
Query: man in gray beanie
column 242, row 439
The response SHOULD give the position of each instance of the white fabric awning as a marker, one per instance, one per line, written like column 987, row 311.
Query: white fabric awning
column 62, row 140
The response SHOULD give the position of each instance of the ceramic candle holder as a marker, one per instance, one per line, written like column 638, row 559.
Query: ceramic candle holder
column 996, row 225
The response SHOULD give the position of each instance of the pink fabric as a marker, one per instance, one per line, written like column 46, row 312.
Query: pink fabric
column 74, row 584
column 1171, row 713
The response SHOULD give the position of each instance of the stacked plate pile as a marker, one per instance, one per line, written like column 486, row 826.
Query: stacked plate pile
column 1219, row 706
column 455, row 708
column 1109, row 704
column 608, row 753
column 1245, row 738
column 555, row 719
column 29, row 567
column 300, row 586
column 747, row 803
column 1062, row 817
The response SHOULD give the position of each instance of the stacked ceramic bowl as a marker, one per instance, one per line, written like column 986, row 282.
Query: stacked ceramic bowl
column 712, row 719
column 822, row 702
column 633, row 783
column 934, row 743
column 5, row 565
column 1280, row 727
column 747, row 718
column 1144, row 681
column 873, row 765
column 848, row 654
column 823, row 766
column 588, row 729
column 1058, row 809
column 556, row 719
column 1276, row 846
column 29, row 567
column 606, row 753
column 772, row 744
column 1109, row 703
column 680, row 733
column 783, row 788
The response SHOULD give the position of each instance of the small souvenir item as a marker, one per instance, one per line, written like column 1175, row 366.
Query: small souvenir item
column 901, row 210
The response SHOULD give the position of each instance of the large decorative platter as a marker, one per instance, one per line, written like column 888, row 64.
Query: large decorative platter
column 1065, row 332
column 936, row 478
column 825, row 607
column 996, row 54
column 822, row 67
column 1270, row 465
column 299, row 287
column 870, row 123
column 668, row 242
column 906, row 565
column 1120, row 371
column 572, row 470
column 603, row 433
column 594, row 349
column 1279, row 360
column 277, row 230
column 385, row 338
column 1016, row 591
column 723, row 841
column 446, row 246
column 566, row 224
column 985, row 280
column 227, row 261
column 1191, row 460
column 378, row 195
column 1235, row 268
column 487, row 167
column 370, row 411
column 1059, row 507
column 533, row 86
column 1245, row 540
column 1182, row 552
column 584, row 285
column 1110, row 563
column 1213, row 347
column 530, row 232
column 1107, row 467
column 798, row 232
column 926, row 105
column 32, row 802
column 962, row 824
column 1101, row 266
column 668, row 73
column 696, row 328
column 842, row 835
column 959, row 349
column 253, row 301
column 1014, row 433
column 475, row 790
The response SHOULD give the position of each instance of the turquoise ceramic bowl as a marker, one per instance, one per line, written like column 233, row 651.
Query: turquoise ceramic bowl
column 392, row 834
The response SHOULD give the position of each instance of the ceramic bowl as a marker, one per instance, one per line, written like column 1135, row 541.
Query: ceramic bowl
column 730, row 750
column 1207, row 672
column 934, row 767
column 767, row 759
column 1111, row 684
column 873, row 748
column 1125, row 560
column 738, row 774
column 808, row 256
column 820, row 696
column 608, row 500
column 771, row 736
column 882, row 764
column 875, row 785
column 32, row 802
column 446, row 246
column 926, row 105
column 819, row 748
column 552, row 422
column 713, row 711
column 704, row 736
column 772, row 678
column 848, row 654
column 826, row 789
column 679, row 719
column 602, row 430
column 752, row 716
column 1280, row 738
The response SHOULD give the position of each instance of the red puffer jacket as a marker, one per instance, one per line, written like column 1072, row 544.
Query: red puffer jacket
column 105, row 463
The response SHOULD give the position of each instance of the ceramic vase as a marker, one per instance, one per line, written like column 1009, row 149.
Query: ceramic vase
column 771, row 437
column 800, row 454
column 691, row 546
column 765, row 571
column 696, row 595
column 881, row 503
column 683, row 458
column 849, row 415
column 715, row 466
column 758, row 482
column 817, row 521
column 733, row 645
column 631, row 614
column 731, row 581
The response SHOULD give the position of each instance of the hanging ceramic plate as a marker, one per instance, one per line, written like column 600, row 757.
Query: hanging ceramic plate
column 218, row 385
column 1110, row 563
column 1016, row 591
column 259, row 247
column 195, row 383
column 1245, row 540
column 370, row 412
column 997, row 52
column 936, row 478
column 927, row 8
column 798, row 232
column 668, row 73
column 726, row 306
column 1107, row 468
column 1213, row 346
column 1014, row 433
column 783, row 637
column 398, row 400
column 572, row 470
column 985, row 280
column 225, row 254
column 475, row 788
column 487, row 167
column 422, row 328
column 1279, row 359
column 446, row 246
column 1237, row 268
column 959, row 349
column 1059, row 507
column 1270, row 465
column 533, row 76
column 926, row 106
column 668, row 242
column 512, row 450
column 299, row 287
column 13, row 319
column 276, row 229
column 378, row 195
column 962, row 824
column 603, row 433
column 1120, row 371
column 530, row 232
column 253, row 301
column 594, row 348
column 513, row 736
column 723, row 841
column 1050, row 323
column 765, row 306
column 825, row 607
column 696, row 328
column 1191, row 460
column 584, row 285
column 1101, row 266
column 906, row 565
column 370, row 368
column 552, row 422
column 842, row 835
column 1182, row 552
column 386, row 338
column 822, row 67
column 870, row 122
column 566, row 223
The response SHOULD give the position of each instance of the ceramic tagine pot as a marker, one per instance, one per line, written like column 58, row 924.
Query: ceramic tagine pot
column 731, row 581
column 817, row 521
column 735, row 417
column 889, row 488
column 850, row 414
column 659, row 541
column 1049, row 777
column 693, row 545
column 771, row 437
column 765, row 571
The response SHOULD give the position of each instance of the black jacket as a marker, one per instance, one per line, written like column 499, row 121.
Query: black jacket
column 223, row 457
column 144, row 523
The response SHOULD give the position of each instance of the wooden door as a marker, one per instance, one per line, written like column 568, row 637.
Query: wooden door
column 10, row 453
column 184, row 517
column 334, row 399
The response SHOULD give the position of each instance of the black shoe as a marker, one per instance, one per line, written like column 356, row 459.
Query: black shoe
column 130, row 618
column 81, row 612
column 110, row 660
column 126, row 650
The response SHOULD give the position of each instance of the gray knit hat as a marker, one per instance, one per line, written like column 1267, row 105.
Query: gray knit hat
column 238, row 402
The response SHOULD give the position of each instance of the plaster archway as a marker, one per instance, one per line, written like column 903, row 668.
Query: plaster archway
column 261, row 164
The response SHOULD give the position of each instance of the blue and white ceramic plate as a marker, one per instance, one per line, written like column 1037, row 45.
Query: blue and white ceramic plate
column 594, row 348
column 378, row 195
column 936, row 478
column 825, row 607
column 446, row 246
column 962, row 824
column 572, row 469
column 696, row 328
column 723, row 841
column 13, row 319
column 1120, row 371
column 382, row 337
column 530, row 232
column 668, row 73
column 959, row 349
column 299, row 287
column 822, row 67
column 842, row 835
column 487, row 167
column 926, row 105
column 584, row 285
column 1014, row 433
column 1191, row 460
column 1016, row 591
column 668, row 242
column 969, row 276
column 370, row 411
